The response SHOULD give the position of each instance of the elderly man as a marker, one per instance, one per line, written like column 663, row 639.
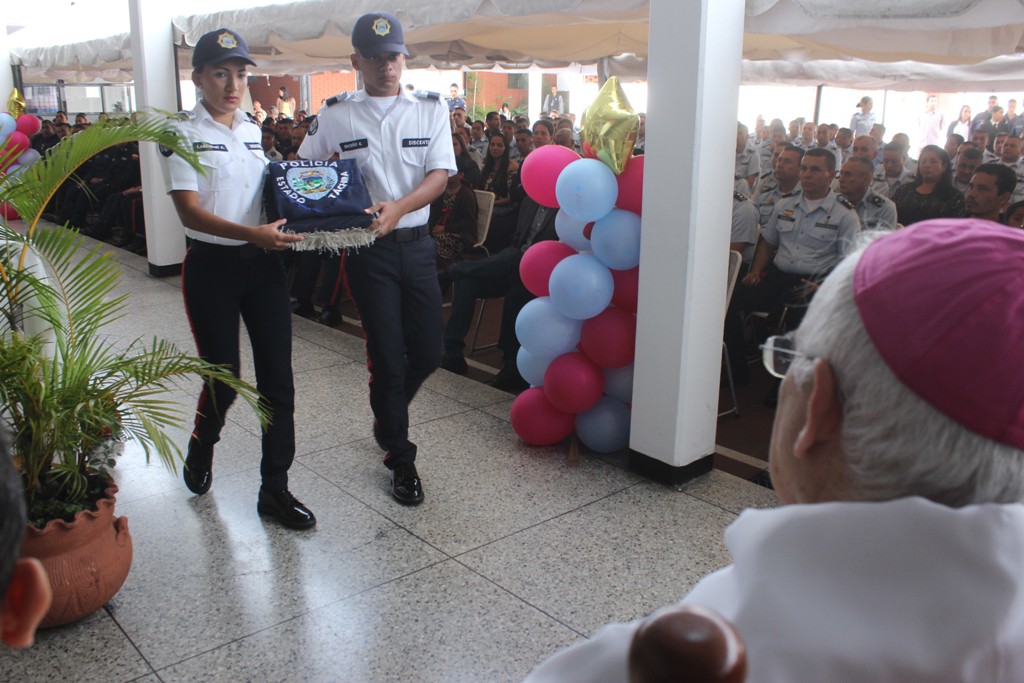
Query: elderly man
column 24, row 589
column 875, row 211
column 898, row 452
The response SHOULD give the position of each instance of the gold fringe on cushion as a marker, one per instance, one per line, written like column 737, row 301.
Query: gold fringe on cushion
column 334, row 241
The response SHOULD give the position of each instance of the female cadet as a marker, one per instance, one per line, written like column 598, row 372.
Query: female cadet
column 230, row 270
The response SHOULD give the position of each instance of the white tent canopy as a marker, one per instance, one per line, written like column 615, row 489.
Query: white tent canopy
column 871, row 42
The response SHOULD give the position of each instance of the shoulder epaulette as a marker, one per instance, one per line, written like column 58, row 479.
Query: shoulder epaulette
column 427, row 94
column 182, row 116
column 844, row 201
column 251, row 119
column 340, row 97
column 792, row 193
column 877, row 201
column 739, row 196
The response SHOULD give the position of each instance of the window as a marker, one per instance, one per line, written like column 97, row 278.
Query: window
column 519, row 81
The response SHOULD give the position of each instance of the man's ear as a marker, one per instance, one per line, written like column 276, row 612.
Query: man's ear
column 25, row 603
column 823, row 413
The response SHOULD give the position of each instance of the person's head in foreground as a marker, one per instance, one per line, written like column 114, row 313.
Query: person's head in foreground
column 24, row 589
column 898, row 454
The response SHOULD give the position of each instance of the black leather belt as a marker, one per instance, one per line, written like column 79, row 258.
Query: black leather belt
column 407, row 234
column 240, row 252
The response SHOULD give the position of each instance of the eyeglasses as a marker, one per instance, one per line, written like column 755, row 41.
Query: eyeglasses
column 778, row 354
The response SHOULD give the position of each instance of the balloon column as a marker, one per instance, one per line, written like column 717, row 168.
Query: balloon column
column 16, row 153
column 578, row 337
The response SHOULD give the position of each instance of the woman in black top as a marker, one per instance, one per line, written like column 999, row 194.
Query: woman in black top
column 932, row 194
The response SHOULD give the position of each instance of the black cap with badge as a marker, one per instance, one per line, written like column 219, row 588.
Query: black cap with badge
column 378, row 33
column 218, row 46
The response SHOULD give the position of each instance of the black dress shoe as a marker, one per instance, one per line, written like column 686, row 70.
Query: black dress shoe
column 329, row 317
column 198, row 472
column 406, row 487
column 285, row 508
column 455, row 362
column 509, row 380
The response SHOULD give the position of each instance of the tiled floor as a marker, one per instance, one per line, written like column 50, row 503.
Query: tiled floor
column 512, row 556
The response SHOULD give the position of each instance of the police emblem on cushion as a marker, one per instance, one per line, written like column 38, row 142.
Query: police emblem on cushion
column 324, row 201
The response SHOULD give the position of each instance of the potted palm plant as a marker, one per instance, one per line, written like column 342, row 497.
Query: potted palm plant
column 67, row 393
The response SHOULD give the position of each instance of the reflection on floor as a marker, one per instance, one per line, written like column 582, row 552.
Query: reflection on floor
column 513, row 555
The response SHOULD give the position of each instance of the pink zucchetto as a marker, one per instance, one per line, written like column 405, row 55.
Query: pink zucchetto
column 943, row 303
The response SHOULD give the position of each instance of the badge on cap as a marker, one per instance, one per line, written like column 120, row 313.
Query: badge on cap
column 227, row 41
column 382, row 26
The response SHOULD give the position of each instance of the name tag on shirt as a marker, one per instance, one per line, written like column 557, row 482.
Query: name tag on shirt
column 415, row 142
column 254, row 146
column 826, row 225
column 353, row 145
column 209, row 147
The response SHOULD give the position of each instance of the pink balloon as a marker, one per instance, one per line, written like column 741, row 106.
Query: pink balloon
column 28, row 124
column 536, row 421
column 17, row 141
column 609, row 338
column 8, row 212
column 631, row 185
column 538, row 262
column 573, row 383
column 540, row 171
column 627, row 288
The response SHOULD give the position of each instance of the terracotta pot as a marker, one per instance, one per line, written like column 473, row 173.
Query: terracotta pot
column 87, row 560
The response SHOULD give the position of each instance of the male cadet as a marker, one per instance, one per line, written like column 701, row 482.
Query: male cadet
column 454, row 100
column 748, row 163
column 1011, row 158
column 25, row 592
column 875, row 211
column 459, row 118
column 843, row 143
column 403, row 145
column 867, row 147
column 744, row 227
column 967, row 160
column 767, row 150
column 892, row 174
column 787, row 181
column 806, row 236
column 989, row 191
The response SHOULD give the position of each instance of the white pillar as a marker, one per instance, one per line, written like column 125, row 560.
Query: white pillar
column 694, row 73
column 156, row 87
column 6, row 75
column 536, row 93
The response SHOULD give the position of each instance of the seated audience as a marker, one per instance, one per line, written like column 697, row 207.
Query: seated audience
column 453, row 217
column 898, row 455
column 989, row 192
column 932, row 194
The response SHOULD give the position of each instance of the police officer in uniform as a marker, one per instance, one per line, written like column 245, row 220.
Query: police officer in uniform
column 402, row 143
column 231, row 270
column 806, row 236
column 875, row 211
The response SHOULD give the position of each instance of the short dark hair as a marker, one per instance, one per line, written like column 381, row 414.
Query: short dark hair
column 972, row 153
column 862, row 161
column 1006, row 179
column 547, row 124
column 828, row 156
column 894, row 147
column 957, row 137
column 790, row 147
column 524, row 131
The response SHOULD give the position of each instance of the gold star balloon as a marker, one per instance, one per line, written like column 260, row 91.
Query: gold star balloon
column 610, row 126
column 15, row 104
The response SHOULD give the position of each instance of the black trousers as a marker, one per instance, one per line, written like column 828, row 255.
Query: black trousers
column 394, row 286
column 222, row 284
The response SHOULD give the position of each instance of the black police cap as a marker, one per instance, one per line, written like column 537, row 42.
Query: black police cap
column 218, row 46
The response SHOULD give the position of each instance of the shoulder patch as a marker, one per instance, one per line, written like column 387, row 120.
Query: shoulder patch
column 739, row 196
column 427, row 95
column 877, row 201
column 314, row 126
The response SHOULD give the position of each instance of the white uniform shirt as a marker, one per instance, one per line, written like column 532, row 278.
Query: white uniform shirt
column 905, row 590
column 811, row 241
column 232, row 189
column 394, row 150
column 744, row 225
column 876, row 212
column 883, row 185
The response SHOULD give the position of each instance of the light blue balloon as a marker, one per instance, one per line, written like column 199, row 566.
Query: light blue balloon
column 543, row 331
column 605, row 427
column 615, row 240
column 587, row 189
column 28, row 157
column 581, row 287
column 570, row 231
column 532, row 366
column 7, row 126
column 618, row 383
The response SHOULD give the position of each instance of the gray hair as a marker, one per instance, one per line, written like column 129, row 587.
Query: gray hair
column 895, row 444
